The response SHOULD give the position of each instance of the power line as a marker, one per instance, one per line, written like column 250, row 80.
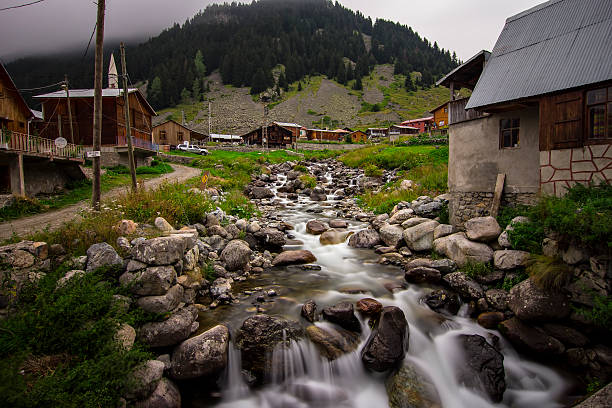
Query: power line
column 22, row 5
column 41, row 87
column 89, row 43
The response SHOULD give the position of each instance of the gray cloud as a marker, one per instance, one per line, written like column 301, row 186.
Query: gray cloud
column 465, row 26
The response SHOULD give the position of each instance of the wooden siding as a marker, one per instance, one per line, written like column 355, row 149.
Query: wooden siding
column 13, row 114
column 457, row 112
column 561, row 120
column 175, row 134
column 359, row 137
column 278, row 136
column 320, row 134
column 441, row 115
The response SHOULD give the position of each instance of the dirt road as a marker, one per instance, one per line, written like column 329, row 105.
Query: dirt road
column 54, row 219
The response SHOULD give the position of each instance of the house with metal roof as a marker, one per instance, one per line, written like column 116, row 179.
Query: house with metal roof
column 539, row 118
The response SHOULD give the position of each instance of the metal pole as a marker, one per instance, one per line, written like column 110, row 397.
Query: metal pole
column 128, row 133
column 69, row 109
column 97, row 119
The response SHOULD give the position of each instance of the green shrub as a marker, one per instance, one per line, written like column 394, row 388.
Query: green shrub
column 156, row 167
column 511, row 281
column 477, row 269
column 527, row 236
column 444, row 216
column 308, row 180
column 300, row 168
column 22, row 206
column 236, row 203
column 372, row 171
column 601, row 313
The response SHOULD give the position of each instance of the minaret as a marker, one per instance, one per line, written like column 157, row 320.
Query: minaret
column 113, row 77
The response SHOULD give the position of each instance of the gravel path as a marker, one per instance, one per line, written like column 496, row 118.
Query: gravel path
column 54, row 219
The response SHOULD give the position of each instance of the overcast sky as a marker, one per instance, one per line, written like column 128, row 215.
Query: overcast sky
column 464, row 26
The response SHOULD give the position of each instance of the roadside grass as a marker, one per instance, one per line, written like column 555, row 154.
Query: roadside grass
column 117, row 176
column 58, row 348
column 396, row 157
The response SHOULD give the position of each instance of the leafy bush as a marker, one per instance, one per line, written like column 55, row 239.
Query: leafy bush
column 372, row 171
column 236, row 203
column 512, row 280
column 476, row 269
column 527, row 236
column 300, row 168
column 600, row 314
column 22, row 206
column 308, row 180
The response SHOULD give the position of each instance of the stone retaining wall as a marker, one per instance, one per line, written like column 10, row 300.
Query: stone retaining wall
column 465, row 205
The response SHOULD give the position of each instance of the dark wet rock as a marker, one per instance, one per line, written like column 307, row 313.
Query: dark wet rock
column 332, row 343
column 301, row 256
column 386, row 346
column 490, row 320
column 442, row 300
column 429, row 210
column 422, row 274
column 369, row 306
column 343, row 315
column 338, row 224
column 443, row 265
column 170, row 331
column 463, row 285
column 309, row 310
column 490, row 278
column 261, row 192
column 531, row 303
column 497, row 299
column 316, row 227
column 236, row 255
column 270, row 238
column 259, row 335
column 531, row 339
column 317, row 196
column 99, row 255
column 409, row 388
column 567, row 335
column 201, row 356
column 166, row 395
column 483, row 368
column 367, row 238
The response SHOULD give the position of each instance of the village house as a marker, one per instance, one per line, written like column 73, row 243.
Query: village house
column 272, row 135
column 326, row 134
column 171, row 133
column 440, row 115
column 422, row 124
column 114, row 142
column 397, row 130
column 29, row 164
column 358, row 137
column 377, row 132
column 298, row 131
column 222, row 138
column 540, row 114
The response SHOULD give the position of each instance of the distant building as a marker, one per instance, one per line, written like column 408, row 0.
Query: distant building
column 114, row 141
column 358, row 137
column 422, row 124
column 273, row 135
column 540, row 113
column 377, row 132
column 172, row 133
column 397, row 130
column 29, row 164
column 326, row 135
column 298, row 131
column 440, row 115
column 215, row 137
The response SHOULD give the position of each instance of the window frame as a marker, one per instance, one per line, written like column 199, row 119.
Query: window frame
column 606, row 105
column 512, row 121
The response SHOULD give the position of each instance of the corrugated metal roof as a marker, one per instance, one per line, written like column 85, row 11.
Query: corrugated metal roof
column 285, row 124
column 85, row 93
column 557, row 45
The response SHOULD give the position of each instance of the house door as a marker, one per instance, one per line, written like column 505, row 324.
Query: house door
column 5, row 180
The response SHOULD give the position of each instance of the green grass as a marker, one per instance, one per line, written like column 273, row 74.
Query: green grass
column 58, row 348
column 308, row 180
column 400, row 157
column 477, row 269
column 549, row 273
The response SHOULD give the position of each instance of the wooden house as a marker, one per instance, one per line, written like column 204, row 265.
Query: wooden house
column 422, row 124
column 397, row 130
column 297, row 130
column 440, row 116
column 276, row 136
column 114, row 141
column 172, row 133
column 377, row 132
column 30, row 165
column 358, row 137
column 324, row 135
column 538, row 124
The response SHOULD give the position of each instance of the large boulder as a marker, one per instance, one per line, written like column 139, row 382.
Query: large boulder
column 391, row 235
column 497, row 299
column 530, row 339
column 166, row 395
column 170, row 331
column 143, row 380
column 367, row 238
column 369, row 306
column 421, row 236
column 162, row 250
column 443, row 301
column 464, row 285
column 343, row 315
column 261, row 192
column 236, row 255
column 409, row 388
column 163, row 225
column 483, row 367
column 259, row 335
column 510, row 259
column 483, row 229
column 333, row 237
column 300, row 256
column 153, row 281
column 270, row 238
column 386, row 346
column 309, row 310
column 163, row 303
column 463, row 251
column 422, row 274
column 401, row 216
column 101, row 254
column 531, row 303
column 443, row 265
column 201, row 356
column 316, row 227
column 332, row 343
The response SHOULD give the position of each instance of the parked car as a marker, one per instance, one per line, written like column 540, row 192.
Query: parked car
column 192, row 149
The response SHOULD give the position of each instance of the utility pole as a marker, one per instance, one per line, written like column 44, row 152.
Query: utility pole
column 209, row 121
column 97, row 119
column 128, row 134
column 69, row 108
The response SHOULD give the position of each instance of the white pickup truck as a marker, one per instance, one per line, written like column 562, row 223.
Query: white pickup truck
column 186, row 147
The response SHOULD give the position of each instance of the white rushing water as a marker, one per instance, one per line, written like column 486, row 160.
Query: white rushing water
column 301, row 378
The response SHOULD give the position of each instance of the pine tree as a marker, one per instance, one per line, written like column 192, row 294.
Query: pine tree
column 409, row 84
column 199, row 64
column 341, row 73
column 155, row 92
column 195, row 90
column 185, row 96
column 258, row 83
column 282, row 82
column 358, row 86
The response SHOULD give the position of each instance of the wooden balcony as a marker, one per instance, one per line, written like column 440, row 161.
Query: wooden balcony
column 458, row 114
column 38, row 146
column 138, row 143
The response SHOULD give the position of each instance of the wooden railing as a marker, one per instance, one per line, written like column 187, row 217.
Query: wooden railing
column 33, row 144
column 138, row 143
column 457, row 112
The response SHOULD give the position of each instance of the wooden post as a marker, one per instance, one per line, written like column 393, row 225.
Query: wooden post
column 97, row 119
column 69, row 109
column 21, row 175
column 128, row 134
column 452, row 90
column 59, row 124
column 499, row 188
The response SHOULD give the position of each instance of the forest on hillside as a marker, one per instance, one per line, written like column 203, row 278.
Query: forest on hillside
column 246, row 42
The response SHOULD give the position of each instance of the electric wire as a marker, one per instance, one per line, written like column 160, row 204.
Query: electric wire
column 22, row 5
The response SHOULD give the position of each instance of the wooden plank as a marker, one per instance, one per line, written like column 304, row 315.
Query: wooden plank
column 499, row 188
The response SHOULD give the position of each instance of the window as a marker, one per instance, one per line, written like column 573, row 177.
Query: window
column 599, row 113
column 162, row 136
column 509, row 133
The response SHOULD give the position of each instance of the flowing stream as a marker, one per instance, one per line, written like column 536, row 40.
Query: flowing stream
column 302, row 378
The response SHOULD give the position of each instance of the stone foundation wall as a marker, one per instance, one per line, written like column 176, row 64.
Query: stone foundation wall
column 562, row 169
column 465, row 205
